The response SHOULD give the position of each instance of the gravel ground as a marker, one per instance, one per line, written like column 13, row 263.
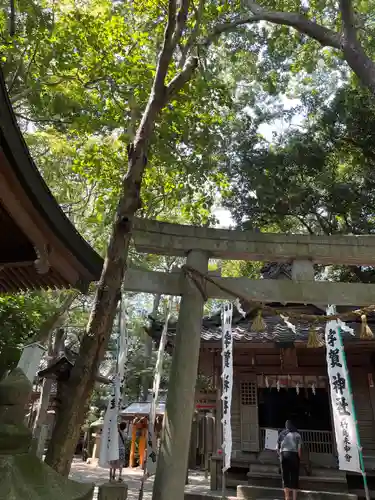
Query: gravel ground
column 87, row 473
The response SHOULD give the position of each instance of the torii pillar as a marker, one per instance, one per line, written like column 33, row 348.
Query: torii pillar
column 174, row 450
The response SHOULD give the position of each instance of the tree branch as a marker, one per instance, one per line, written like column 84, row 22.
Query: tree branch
column 17, row 72
column 325, row 36
column 167, row 49
column 29, row 90
column 180, row 22
column 348, row 21
column 42, row 120
column 352, row 49
column 176, row 84
column 12, row 18
column 194, row 34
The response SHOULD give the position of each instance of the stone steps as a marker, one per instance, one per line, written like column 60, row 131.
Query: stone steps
column 334, row 482
column 251, row 492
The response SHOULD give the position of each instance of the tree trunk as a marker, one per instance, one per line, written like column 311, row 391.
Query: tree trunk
column 82, row 378
column 361, row 65
column 75, row 395
column 53, row 350
column 148, row 351
column 77, row 391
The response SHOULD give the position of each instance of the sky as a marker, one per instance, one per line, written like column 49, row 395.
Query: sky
column 224, row 217
column 266, row 130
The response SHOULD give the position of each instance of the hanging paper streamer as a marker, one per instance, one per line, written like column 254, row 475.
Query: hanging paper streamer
column 239, row 308
column 150, row 467
column 227, row 383
column 288, row 323
column 341, row 398
column 109, row 449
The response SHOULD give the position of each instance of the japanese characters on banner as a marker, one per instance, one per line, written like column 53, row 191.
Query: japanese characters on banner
column 151, row 440
column 109, row 449
column 341, row 399
column 227, row 383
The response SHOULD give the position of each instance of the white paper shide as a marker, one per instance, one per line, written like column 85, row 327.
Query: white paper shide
column 341, row 400
column 227, row 383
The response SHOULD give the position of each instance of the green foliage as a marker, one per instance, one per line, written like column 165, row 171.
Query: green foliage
column 319, row 179
column 136, row 370
column 81, row 74
column 21, row 317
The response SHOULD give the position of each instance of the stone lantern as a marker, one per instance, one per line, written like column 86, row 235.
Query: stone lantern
column 30, row 359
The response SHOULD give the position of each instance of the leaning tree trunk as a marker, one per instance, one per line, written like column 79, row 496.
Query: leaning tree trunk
column 75, row 395
column 77, row 390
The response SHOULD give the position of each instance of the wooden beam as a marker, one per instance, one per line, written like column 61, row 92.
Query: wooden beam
column 278, row 291
column 176, row 239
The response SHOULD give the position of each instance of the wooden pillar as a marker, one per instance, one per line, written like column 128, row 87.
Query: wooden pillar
column 192, row 462
column 218, row 425
column 371, row 387
column 142, row 446
column 173, row 457
column 132, row 447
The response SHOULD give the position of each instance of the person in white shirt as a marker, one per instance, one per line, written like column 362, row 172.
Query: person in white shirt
column 289, row 448
column 118, row 464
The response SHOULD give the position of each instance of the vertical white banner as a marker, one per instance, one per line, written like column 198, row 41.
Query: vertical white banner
column 227, row 383
column 150, row 465
column 341, row 398
column 109, row 446
column 123, row 345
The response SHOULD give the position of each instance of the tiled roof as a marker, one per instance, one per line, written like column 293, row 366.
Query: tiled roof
column 143, row 409
column 276, row 330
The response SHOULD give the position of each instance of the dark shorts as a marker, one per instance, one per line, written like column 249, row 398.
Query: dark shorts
column 290, row 469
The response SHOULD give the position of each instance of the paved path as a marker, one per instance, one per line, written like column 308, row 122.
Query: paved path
column 86, row 473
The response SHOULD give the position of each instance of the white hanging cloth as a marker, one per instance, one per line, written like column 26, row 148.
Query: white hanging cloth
column 109, row 446
column 150, row 466
column 341, row 398
column 227, row 382
column 123, row 345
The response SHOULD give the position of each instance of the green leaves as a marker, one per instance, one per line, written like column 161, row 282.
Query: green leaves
column 318, row 180
column 21, row 317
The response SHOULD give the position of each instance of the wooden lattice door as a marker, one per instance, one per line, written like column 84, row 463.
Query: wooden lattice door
column 249, row 416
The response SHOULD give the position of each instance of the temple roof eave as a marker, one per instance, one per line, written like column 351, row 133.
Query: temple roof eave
column 32, row 200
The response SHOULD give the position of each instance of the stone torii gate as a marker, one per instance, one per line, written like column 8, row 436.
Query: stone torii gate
column 198, row 245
